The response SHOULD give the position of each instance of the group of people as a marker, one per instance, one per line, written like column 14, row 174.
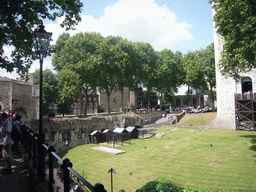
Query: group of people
column 10, row 134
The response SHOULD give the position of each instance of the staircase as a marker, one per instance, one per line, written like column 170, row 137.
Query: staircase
column 245, row 114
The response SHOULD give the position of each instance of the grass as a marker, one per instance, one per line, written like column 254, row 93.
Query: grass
column 200, row 119
column 182, row 157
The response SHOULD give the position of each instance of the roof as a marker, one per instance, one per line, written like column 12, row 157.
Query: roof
column 130, row 129
column 94, row 132
column 106, row 131
column 118, row 130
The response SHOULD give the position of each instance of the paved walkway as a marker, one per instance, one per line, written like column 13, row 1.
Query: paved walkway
column 18, row 180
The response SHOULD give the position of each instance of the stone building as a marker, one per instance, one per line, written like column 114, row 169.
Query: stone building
column 115, row 99
column 20, row 96
column 227, row 88
column 90, row 103
column 143, row 102
column 197, row 99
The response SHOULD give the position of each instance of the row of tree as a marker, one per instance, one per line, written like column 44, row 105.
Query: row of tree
column 89, row 61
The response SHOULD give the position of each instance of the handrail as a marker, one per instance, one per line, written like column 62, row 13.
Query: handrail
column 81, row 179
column 30, row 140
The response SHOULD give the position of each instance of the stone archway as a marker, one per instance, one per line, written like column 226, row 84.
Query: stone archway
column 21, row 112
column 246, row 84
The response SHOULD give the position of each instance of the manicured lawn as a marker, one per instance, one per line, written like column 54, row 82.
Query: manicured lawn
column 182, row 157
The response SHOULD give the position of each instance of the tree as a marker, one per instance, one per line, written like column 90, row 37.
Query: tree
column 208, row 59
column 169, row 73
column 17, row 19
column 76, row 54
column 68, row 92
column 124, row 48
column 50, row 89
column 236, row 22
column 199, row 67
column 105, row 68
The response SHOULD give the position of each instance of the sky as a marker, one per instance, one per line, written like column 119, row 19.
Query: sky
column 179, row 25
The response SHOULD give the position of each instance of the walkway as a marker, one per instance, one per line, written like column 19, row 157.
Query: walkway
column 18, row 180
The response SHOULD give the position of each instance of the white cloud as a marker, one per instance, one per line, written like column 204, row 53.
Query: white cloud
column 136, row 20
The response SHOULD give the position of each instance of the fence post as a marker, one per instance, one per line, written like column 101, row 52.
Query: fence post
column 66, row 163
column 41, row 157
column 34, row 151
column 51, row 180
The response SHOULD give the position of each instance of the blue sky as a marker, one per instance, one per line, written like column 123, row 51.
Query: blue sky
column 179, row 25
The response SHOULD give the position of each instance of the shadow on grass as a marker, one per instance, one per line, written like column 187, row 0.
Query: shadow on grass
column 253, row 142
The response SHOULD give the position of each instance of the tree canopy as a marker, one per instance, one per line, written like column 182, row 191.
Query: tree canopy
column 50, row 89
column 17, row 19
column 236, row 22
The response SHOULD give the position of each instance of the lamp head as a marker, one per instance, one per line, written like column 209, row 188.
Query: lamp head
column 41, row 40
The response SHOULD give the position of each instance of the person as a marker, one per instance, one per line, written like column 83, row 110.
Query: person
column 16, row 139
column 5, row 131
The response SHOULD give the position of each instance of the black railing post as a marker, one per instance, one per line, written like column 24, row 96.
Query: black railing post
column 66, row 163
column 51, row 180
column 41, row 157
column 30, row 142
column 34, row 151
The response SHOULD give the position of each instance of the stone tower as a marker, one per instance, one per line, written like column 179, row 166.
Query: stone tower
column 227, row 88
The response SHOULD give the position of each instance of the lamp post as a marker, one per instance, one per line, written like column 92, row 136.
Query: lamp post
column 41, row 41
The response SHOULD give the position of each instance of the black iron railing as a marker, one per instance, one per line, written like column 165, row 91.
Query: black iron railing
column 58, row 172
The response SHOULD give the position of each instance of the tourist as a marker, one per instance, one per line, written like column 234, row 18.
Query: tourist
column 16, row 138
column 5, row 137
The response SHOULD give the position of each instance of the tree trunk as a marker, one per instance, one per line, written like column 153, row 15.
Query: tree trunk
column 136, row 98
column 81, row 104
column 122, row 98
column 212, row 98
column 108, row 99
column 85, row 106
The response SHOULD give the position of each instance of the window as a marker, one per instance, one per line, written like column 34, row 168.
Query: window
column 95, row 104
column 94, row 98
column 90, row 104
column 89, row 98
column 177, row 102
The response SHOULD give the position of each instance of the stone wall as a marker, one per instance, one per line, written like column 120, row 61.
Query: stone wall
column 5, row 93
column 76, row 130
column 115, row 100
column 19, row 96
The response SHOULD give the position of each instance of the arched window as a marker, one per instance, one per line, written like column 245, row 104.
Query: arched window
column 246, row 84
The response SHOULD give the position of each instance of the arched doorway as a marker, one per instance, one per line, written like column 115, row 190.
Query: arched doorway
column 246, row 84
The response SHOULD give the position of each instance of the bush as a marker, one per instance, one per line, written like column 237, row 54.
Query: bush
column 164, row 185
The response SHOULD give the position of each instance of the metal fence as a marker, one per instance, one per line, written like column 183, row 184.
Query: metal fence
column 58, row 172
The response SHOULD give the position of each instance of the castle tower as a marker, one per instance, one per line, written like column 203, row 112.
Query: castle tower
column 227, row 87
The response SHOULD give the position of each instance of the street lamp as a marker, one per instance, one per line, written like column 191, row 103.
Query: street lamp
column 41, row 41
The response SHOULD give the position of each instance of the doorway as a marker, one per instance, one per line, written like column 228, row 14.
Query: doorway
column 246, row 85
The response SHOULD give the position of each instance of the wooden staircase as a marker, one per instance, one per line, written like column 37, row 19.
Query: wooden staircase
column 245, row 111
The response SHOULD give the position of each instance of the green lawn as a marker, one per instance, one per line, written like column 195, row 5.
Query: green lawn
column 199, row 119
column 182, row 157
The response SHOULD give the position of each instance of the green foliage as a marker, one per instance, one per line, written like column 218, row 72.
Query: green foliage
column 50, row 89
column 199, row 68
column 164, row 185
column 17, row 20
column 236, row 22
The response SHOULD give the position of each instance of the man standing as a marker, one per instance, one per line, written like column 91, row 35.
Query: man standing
column 5, row 131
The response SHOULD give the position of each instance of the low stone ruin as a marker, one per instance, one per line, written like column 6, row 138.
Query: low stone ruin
column 66, row 133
